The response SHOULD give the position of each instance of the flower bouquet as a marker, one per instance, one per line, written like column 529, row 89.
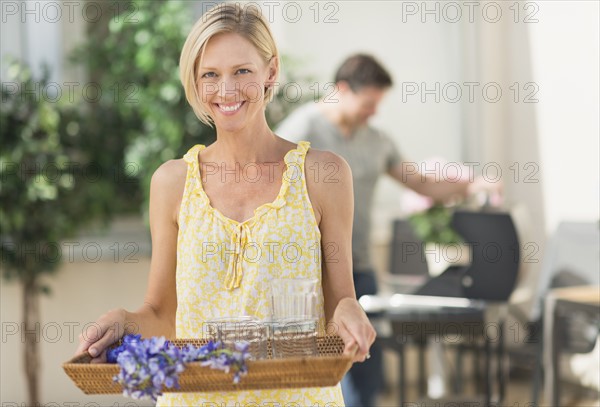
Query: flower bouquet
column 148, row 365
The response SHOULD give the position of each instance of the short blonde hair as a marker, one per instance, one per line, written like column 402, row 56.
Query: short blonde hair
column 223, row 18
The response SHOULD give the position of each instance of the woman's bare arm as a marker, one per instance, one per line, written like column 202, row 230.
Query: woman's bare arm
column 156, row 317
column 333, row 202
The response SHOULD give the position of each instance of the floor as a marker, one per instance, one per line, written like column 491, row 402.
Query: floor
column 518, row 390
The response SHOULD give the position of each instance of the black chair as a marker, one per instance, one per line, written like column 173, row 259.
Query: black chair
column 408, row 269
column 495, row 259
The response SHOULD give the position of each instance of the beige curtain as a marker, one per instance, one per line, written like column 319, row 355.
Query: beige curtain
column 500, row 129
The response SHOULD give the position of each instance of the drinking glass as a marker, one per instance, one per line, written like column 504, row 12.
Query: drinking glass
column 232, row 330
column 293, row 328
column 293, row 297
column 294, row 337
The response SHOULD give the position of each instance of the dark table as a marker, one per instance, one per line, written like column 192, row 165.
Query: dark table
column 415, row 318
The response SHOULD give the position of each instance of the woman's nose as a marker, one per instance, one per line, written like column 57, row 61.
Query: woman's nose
column 228, row 88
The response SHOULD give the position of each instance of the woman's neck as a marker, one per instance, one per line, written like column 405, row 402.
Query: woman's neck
column 249, row 145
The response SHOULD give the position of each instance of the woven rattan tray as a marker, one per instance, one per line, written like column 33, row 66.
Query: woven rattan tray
column 326, row 369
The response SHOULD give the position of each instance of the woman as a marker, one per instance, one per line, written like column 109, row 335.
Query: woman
column 249, row 189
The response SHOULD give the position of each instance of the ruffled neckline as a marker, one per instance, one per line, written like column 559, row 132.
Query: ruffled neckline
column 293, row 156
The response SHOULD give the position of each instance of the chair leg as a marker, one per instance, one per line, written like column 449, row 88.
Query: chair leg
column 501, row 366
column 422, row 345
column 476, row 367
column 458, row 379
column 486, row 375
column 538, row 371
column 401, row 375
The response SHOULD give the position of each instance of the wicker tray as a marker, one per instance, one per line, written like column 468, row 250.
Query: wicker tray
column 324, row 370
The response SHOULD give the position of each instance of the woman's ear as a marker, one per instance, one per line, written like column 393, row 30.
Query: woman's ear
column 273, row 71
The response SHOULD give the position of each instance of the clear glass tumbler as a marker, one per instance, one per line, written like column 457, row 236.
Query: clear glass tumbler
column 293, row 297
column 293, row 328
column 232, row 330
column 294, row 337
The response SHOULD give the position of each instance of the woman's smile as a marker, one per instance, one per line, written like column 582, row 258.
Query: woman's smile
column 229, row 109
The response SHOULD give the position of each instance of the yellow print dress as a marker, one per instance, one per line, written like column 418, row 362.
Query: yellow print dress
column 224, row 268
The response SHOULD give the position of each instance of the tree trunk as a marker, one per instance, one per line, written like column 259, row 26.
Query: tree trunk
column 32, row 333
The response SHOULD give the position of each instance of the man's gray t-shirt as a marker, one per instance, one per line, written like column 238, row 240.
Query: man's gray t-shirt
column 369, row 153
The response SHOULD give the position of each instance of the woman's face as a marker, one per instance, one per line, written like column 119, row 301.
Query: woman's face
column 231, row 81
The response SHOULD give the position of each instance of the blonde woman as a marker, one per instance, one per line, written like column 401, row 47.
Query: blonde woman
column 250, row 188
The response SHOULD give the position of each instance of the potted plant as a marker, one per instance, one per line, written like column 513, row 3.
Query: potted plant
column 431, row 222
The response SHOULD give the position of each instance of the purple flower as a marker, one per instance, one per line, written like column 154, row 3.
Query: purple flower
column 149, row 365
column 111, row 355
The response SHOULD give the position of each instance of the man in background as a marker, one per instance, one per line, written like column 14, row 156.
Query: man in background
column 340, row 123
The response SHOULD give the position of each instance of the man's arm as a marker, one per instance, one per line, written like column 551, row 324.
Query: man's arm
column 408, row 174
column 441, row 189
column 431, row 185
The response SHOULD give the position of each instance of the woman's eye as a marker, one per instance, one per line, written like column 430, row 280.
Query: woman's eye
column 209, row 75
column 243, row 70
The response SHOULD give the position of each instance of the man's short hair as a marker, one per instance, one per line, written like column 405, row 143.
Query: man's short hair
column 363, row 70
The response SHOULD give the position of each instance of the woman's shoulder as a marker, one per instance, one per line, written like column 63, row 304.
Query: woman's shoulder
column 327, row 176
column 329, row 162
column 171, row 168
column 170, row 175
column 329, row 182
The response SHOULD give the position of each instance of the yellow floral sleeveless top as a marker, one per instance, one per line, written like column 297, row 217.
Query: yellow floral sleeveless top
column 224, row 268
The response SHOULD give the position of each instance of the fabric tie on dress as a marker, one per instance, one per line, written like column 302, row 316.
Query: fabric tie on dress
column 239, row 239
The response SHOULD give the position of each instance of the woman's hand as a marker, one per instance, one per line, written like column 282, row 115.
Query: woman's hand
column 97, row 337
column 354, row 328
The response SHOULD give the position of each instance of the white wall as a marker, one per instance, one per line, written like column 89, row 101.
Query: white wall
column 565, row 44
column 11, row 40
column 44, row 32
column 31, row 31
